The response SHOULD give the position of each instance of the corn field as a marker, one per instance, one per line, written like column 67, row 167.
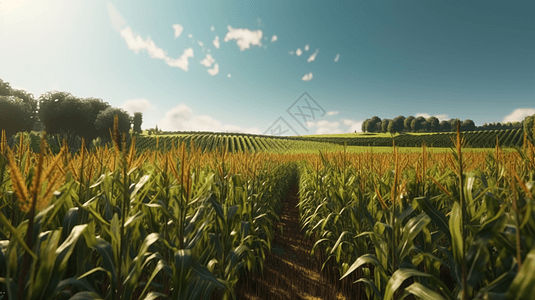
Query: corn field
column 186, row 221
column 110, row 224
column 434, row 226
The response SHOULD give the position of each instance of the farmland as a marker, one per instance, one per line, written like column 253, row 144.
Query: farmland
column 201, row 216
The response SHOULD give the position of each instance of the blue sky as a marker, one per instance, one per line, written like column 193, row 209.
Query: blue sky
column 241, row 65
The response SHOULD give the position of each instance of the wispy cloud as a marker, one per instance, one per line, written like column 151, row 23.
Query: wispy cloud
column 291, row 52
column 228, row 75
column 190, row 35
column 518, row 115
column 307, row 47
column 337, row 57
column 208, row 61
column 213, row 71
column 216, row 42
column 307, row 77
column 182, row 61
column 178, row 30
column 200, row 43
column 274, row 38
column 136, row 43
column 313, row 56
column 117, row 20
column 181, row 118
column 245, row 38
column 332, row 113
column 212, row 28
column 298, row 52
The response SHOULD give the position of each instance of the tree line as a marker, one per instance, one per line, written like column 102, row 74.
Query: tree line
column 61, row 113
column 431, row 124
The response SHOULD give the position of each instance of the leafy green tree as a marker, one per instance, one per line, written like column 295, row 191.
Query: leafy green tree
column 19, row 109
column 5, row 88
column 105, row 119
column 407, row 124
column 138, row 120
column 468, row 125
column 374, row 125
column 445, row 126
column 453, row 124
column 433, row 124
column 399, row 124
column 417, row 124
column 92, row 108
column 60, row 112
column 391, row 127
column 15, row 115
column 364, row 125
column 384, row 125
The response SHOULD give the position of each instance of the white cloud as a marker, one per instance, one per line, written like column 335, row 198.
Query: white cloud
column 313, row 56
column 244, row 37
column 190, row 35
column 181, row 62
column 200, row 43
column 216, row 42
column 136, row 43
column 181, row 118
column 439, row 117
column 307, row 77
column 307, row 47
column 333, row 127
column 337, row 58
column 274, row 38
column 117, row 20
column 214, row 70
column 178, row 30
column 212, row 28
column 326, row 127
column 208, row 61
column 518, row 115
column 298, row 52
column 332, row 113
column 228, row 75
column 137, row 105
column 353, row 125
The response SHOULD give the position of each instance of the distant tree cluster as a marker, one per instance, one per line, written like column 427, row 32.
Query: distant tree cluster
column 18, row 109
column 431, row 124
column 500, row 126
column 61, row 113
column 413, row 124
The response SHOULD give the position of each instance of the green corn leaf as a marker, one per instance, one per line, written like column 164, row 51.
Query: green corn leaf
column 437, row 216
column 15, row 234
column 456, row 233
column 421, row 291
column 364, row 259
column 523, row 286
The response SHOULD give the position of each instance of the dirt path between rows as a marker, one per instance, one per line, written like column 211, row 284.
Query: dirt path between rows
column 289, row 270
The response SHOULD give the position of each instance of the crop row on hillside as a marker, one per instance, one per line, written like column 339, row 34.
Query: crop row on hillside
column 473, row 139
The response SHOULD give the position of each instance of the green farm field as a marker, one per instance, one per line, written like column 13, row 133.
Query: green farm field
column 202, row 216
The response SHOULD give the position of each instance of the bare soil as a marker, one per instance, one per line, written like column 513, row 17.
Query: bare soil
column 290, row 272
